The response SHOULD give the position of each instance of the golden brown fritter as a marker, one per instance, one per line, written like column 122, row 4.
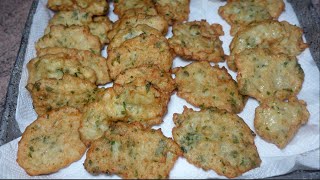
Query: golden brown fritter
column 205, row 86
column 173, row 11
column 128, row 103
column 130, row 151
column 278, row 121
column 86, row 58
column 99, row 25
column 51, row 142
column 279, row 37
column 121, row 7
column 240, row 13
column 77, row 37
column 50, row 94
column 157, row 22
column 131, row 32
column 54, row 66
column 95, row 7
column 151, row 75
column 264, row 75
column 141, row 50
column 197, row 40
column 217, row 140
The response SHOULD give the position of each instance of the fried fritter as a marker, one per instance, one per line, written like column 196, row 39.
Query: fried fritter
column 241, row 13
column 78, row 37
column 99, row 26
column 205, row 86
column 142, row 6
column 129, row 103
column 95, row 7
column 51, row 143
column 197, row 40
column 130, row 151
column 278, row 121
column 264, row 75
column 147, row 75
column 86, row 58
column 141, row 50
column 173, row 11
column 50, row 94
column 157, row 22
column 279, row 37
column 217, row 140
column 131, row 32
column 55, row 66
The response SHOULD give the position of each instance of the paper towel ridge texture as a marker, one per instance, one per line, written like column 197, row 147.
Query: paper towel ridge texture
column 302, row 151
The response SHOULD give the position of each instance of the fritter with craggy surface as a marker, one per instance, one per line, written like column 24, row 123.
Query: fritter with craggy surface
column 240, row 13
column 95, row 7
column 51, row 142
column 131, row 32
column 147, row 75
column 141, row 50
column 217, row 140
column 278, row 121
column 279, row 37
column 129, row 103
column 173, row 11
column 99, row 26
column 205, row 86
column 50, row 94
column 131, row 151
column 54, row 66
column 197, row 40
column 157, row 22
column 264, row 75
column 77, row 37
column 121, row 7
column 86, row 58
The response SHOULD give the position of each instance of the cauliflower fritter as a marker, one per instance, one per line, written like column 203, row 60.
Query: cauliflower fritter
column 216, row 140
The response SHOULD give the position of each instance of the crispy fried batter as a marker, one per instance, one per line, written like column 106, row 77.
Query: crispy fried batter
column 278, row 121
column 157, row 22
column 95, row 7
column 241, row 13
column 86, row 58
column 121, row 7
column 51, row 143
column 99, row 26
column 131, row 32
column 141, row 50
column 217, row 140
column 49, row 94
column 78, row 37
column 130, row 151
column 279, row 37
column 206, row 86
column 173, row 11
column 129, row 103
column 197, row 40
column 147, row 75
column 264, row 75
column 55, row 66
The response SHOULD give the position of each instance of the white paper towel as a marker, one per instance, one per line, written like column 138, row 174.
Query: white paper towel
column 301, row 153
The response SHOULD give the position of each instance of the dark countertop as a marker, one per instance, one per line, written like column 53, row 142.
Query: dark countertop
column 13, row 15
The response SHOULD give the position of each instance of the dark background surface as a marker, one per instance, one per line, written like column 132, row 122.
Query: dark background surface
column 14, row 14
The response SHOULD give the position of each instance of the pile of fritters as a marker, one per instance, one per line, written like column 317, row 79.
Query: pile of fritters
column 115, row 123
column 263, row 52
